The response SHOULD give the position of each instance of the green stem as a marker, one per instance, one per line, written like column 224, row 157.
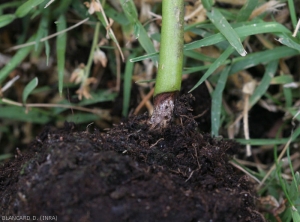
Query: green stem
column 91, row 56
column 171, row 50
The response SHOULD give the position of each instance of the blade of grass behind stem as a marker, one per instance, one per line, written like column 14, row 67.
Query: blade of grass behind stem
column 143, row 57
column 252, row 29
column 141, row 34
column 188, row 70
column 146, row 42
column 264, row 83
column 217, row 102
column 198, row 56
column 16, row 60
column 246, row 10
column 292, row 12
column 127, row 84
column 61, row 44
column 225, row 28
column 216, row 64
column 263, row 57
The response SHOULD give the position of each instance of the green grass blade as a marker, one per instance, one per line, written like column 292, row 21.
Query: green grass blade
column 16, row 60
column 284, row 79
column 252, row 29
column 287, row 92
column 216, row 64
column 207, row 4
column 217, row 102
column 198, row 56
column 47, row 50
column 293, row 14
column 118, row 17
column 264, row 83
column 80, row 118
column 289, row 41
column 262, row 142
column 5, row 156
column 11, row 4
column 143, row 57
column 140, row 32
column 263, row 57
column 129, row 10
column 127, row 85
column 61, row 43
column 246, row 10
column 17, row 113
column 6, row 19
column 42, row 30
column 225, row 28
column 188, row 70
column 25, row 8
column 29, row 88
column 146, row 42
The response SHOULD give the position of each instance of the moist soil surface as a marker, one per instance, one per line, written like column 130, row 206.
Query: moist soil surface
column 129, row 173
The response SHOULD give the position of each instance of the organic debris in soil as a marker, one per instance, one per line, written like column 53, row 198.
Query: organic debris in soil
column 129, row 174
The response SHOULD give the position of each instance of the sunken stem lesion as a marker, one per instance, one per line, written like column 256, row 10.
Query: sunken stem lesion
column 163, row 110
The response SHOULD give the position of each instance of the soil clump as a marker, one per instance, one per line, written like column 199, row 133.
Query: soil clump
column 129, row 173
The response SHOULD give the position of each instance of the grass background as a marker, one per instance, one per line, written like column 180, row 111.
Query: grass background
column 107, row 53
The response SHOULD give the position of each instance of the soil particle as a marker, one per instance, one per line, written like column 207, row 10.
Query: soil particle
column 129, row 173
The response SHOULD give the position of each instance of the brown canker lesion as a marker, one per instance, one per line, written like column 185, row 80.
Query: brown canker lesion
column 163, row 110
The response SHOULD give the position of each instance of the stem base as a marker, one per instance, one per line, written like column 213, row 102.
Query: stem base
column 163, row 110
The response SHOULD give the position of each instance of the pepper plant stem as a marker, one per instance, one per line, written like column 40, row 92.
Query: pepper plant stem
column 171, row 49
column 168, row 79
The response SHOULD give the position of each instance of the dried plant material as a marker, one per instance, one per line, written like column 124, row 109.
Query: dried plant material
column 284, row 67
column 94, row 6
column 145, row 102
column 238, row 80
column 48, row 37
column 9, row 84
column 84, row 90
column 100, row 57
column 195, row 14
column 145, row 11
column 271, row 6
column 296, row 29
column 78, row 74
column 249, row 87
column 248, row 90
column 267, row 106
column 282, row 17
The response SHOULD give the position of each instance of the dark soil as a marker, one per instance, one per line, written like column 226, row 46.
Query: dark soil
column 129, row 174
